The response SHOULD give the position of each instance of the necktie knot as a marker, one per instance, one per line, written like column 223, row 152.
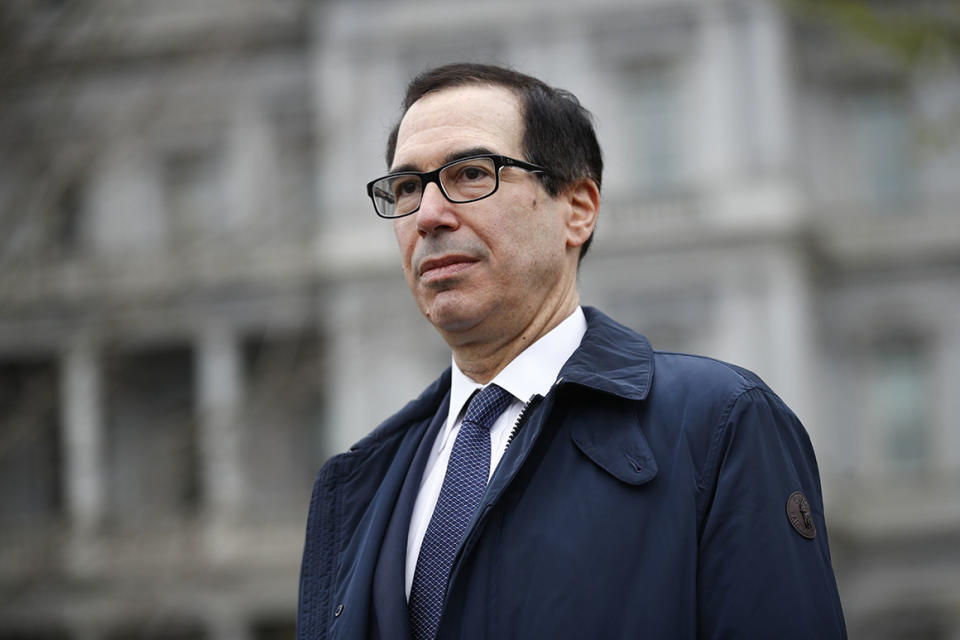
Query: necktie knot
column 487, row 405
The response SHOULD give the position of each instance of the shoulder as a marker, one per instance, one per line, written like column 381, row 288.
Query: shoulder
column 713, row 405
column 686, row 378
column 700, row 367
column 716, row 394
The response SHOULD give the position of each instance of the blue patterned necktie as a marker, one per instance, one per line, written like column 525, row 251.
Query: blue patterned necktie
column 463, row 486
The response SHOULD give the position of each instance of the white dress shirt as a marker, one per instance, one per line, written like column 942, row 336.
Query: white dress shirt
column 532, row 372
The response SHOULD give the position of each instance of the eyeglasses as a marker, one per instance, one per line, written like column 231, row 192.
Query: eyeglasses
column 467, row 180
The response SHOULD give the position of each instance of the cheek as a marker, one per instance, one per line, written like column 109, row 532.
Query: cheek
column 406, row 237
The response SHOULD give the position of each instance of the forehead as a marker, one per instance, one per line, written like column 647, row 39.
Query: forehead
column 442, row 123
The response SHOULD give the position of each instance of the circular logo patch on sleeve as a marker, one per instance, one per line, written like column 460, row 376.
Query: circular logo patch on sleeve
column 800, row 516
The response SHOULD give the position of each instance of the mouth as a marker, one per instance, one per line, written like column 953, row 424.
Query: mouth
column 444, row 267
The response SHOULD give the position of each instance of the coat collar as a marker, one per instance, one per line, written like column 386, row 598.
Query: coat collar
column 611, row 358
column 618, row 361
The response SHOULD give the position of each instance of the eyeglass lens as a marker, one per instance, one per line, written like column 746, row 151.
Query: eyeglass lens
column 462, row 181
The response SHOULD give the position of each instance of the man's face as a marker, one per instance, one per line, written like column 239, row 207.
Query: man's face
column 481, row 271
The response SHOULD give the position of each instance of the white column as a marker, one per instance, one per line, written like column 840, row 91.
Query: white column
column 83, row 441
column 739, row 333
column 791, row 339
column 718, row 152
column 352, row 390
column 771, row 100
column 218, row 391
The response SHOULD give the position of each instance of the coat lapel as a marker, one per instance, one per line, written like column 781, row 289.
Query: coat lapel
column 389, row 614
column 370, row 476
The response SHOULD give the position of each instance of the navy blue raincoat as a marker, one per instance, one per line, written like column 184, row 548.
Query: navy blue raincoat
column 647, row 495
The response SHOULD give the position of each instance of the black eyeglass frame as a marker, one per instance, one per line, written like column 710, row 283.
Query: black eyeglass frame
column 426, row 177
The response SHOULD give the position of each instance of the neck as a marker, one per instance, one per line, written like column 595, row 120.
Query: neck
column 482, row 360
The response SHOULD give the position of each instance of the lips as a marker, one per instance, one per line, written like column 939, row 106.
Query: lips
column 444, row 266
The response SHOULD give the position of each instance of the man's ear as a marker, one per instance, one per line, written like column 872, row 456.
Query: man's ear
column 583, row 197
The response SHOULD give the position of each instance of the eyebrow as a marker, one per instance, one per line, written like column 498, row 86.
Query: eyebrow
column 451, row 157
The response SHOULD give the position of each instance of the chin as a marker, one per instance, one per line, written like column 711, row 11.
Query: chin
column 453, row 322
column 452, row 315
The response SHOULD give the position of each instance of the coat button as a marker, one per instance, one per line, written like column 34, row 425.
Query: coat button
column 336, row 614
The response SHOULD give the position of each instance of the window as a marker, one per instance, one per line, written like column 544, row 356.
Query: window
column 275, row 629
column 151, row 436
column 900, row 403
column 29, row 443
column 194, row 191
column 880, row 129
column 651, row 121
column 281, row 420
column 66, row 219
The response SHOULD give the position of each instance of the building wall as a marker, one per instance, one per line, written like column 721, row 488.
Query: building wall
column 197, row 305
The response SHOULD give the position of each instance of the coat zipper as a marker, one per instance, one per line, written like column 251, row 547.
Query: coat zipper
column 525, row 413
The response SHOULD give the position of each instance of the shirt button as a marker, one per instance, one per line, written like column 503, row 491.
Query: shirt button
column 336, row 614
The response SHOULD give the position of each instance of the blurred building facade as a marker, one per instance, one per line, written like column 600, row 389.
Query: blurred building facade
column 198, row 305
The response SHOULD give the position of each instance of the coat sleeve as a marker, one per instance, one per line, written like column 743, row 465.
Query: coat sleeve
column 758, row 577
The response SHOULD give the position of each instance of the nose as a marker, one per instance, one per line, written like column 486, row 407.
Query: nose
column 436, row 213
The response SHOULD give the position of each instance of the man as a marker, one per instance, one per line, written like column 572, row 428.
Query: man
column 592, row 487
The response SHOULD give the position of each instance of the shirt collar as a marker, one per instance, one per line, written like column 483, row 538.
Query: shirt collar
column 532, row 372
